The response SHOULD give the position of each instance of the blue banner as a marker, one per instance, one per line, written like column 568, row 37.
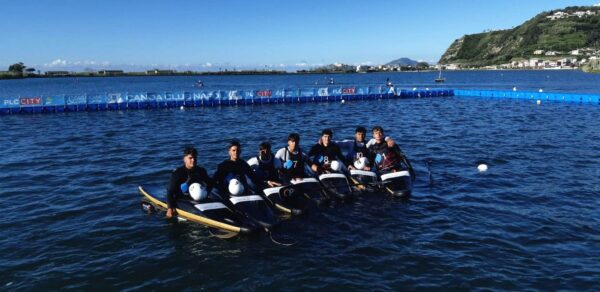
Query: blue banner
column 323, row 91
column 97, row 99
column 178, row 96
column 291, row 92
column 279, row 93
column 57, row 100
column 247, row 94
column 137, row 97
column 75, row 99
column 309, row 92
column 8, row 102
column 363, row 90
column 115, row 98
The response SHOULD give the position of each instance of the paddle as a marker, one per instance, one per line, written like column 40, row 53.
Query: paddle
column 280, row 240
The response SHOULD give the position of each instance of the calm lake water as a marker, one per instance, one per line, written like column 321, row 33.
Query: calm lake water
column 72, row 218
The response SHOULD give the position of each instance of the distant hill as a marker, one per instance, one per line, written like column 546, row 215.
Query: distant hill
column 403, row 62
column 558, row 31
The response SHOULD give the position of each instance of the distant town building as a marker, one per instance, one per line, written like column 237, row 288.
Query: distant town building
column 56, row 73
column 160, row 72
column 363, row 68
column 110, row 72
column 579, row 14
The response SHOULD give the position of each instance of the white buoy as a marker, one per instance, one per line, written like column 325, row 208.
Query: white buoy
column 343, row 101
column 181, row 108
column 414, row 88
column 538, row 102
column 541, row 90
column 482, row 167
column 515, row 88
column 427, row 88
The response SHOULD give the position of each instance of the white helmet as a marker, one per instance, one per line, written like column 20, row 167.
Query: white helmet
column 335, row 165
column 236, row 188
column 361, row 163
column 198, row 192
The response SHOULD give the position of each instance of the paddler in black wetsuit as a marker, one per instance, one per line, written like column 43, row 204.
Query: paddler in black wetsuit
column 385, row 154
column 293, row 160
column 324, row 153
column 266, row 166
column 234, row 168
column 355, row 149
column 183, row 176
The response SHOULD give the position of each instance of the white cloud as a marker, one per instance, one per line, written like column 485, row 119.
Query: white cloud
column 207, row 65
column 56, row 63
column 65, row 63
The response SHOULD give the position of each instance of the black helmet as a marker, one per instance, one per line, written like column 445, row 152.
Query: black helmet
column 360, row 129
column 327, row 132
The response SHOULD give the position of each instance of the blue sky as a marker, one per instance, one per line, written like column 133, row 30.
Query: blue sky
column 207, row 35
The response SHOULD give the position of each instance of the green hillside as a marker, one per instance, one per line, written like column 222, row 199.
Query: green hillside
column 539, row 33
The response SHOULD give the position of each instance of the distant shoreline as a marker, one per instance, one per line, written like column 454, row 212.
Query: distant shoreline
column 141, row 74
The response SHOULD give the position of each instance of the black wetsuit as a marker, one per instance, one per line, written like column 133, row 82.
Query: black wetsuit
column 266, row 170
column 293, row 164
column 325, row 154
column 385, row 158
column 230, row 169
column 183, row 175
column 358, row 150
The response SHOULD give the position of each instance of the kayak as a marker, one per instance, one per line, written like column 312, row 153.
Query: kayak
column 288, row 199
column 336, row 184
column 398, row 184
column 210, row 212
column 364, row 180
column 256, row 209
column 312, row 189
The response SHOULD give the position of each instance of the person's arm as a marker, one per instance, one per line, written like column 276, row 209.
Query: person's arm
column 249, row 172
column 280, row 155
column 173, row 190
column 217, row 179
column 206, row 179
column 312, row 159
column 338, row 154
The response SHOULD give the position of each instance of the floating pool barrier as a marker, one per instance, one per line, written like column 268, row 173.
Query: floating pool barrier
column 540, row 96
column 215, row 98
column 191, row 99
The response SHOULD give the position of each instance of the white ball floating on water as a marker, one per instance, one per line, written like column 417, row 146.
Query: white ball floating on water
column 515, row 88
column 343, row 101
column 541, row 90
column 482, row 167
column 538, row 102
column 414, row 88
column 181, row 108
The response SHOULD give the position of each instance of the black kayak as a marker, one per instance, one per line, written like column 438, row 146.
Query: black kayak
column 312, row 189
column 210, row 212
column 336, row 184
column 256, row 209
column 291, row 199
column 364, row 180
column 398, row 184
